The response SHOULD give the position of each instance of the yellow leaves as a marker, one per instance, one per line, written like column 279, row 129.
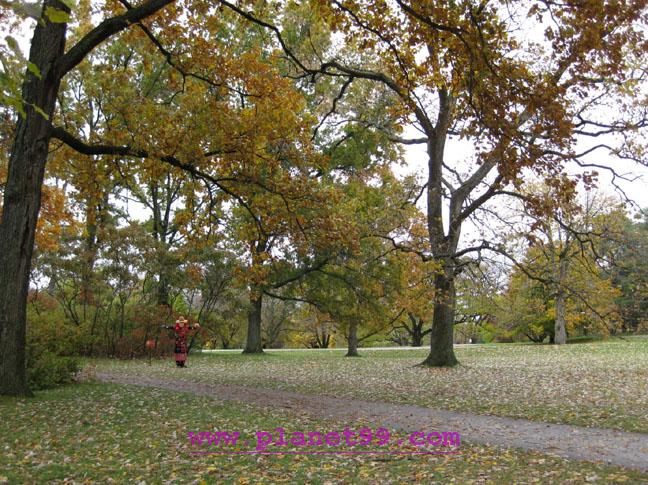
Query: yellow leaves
column 55, row 215
column 57, row 16
column 194, row 273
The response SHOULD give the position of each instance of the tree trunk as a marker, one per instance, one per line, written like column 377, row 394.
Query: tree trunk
column 441, row 345
column 326, row 340
column 89, row 256
column 253, row 344
column 417, row 330
column 442, row 245
column 162, row 293
column 417, row 339
column 352, row 350
column 560, row 330
column 22, row 198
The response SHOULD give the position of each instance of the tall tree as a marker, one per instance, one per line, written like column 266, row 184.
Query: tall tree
column 49, row 62
column 461, row 69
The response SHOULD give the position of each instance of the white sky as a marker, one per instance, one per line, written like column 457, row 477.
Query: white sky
column 459, row 151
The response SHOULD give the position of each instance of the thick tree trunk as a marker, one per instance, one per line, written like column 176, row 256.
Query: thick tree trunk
column 560, row 330
column 441, row 345
column 417, row 330
column 417, row 339
column 22, row 198
column 352, row 350
column 253, row 344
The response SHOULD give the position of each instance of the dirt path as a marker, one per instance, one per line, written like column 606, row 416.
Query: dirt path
column 574, row 442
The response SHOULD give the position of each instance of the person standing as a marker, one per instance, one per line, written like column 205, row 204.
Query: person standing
column 181, row 329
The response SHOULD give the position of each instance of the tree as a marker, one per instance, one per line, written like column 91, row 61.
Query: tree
column 317, row 330
column 358, row 288
column 277, row 315
column 627, row 268
column 415, row 298
column 457, row 69
column 564, row 266
column 48, row 64
column 228, row 128
column 478, row 287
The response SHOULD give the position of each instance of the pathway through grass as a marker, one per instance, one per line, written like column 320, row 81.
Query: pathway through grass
column 602, row 384
column 125, row 434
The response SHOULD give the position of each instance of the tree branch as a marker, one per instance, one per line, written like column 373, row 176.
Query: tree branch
column 103, row 31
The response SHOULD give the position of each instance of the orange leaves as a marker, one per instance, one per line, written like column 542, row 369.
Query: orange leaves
column 55, row 215
column 194, row 273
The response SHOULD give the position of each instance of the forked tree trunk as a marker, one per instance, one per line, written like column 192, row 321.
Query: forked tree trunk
column 253, row 344
column 417, row 338
column 441, row 345
column 326, row 340
column 352, row 350
column 416, row 332
column 22, row 198
column 444, row 246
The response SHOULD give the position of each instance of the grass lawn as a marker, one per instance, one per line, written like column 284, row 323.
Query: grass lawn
column 602, row 384
column 87, row 433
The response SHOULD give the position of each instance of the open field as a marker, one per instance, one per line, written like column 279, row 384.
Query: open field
column 602, row 384
column 91, row 432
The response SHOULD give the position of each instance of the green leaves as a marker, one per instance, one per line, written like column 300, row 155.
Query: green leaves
column 69, row 3
column 33, row 68
column 39, row 111
column 13, row 45
column 57, row 16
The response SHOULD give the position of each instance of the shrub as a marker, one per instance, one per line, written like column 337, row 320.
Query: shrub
column 45, row 369
column 52, row 346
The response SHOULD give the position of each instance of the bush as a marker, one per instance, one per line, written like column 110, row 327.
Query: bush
column 45, row 369
column 52, row 346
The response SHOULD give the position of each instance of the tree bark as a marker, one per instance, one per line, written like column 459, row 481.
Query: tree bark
column 253, row 344
column 417, row 339
column 441, row 344
column 560, row 327
column 94, row 218
column 560, row 324
column 162, row 292
column 416, row 332
column 326, row 340
column 22, row 197
column 443, row 246
column 352, row 350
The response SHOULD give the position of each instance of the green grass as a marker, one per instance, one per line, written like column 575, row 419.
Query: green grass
column 89, row 433
column 600, row 384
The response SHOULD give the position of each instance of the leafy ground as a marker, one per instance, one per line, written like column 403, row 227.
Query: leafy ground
column 112, row 433
column 601, row 384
